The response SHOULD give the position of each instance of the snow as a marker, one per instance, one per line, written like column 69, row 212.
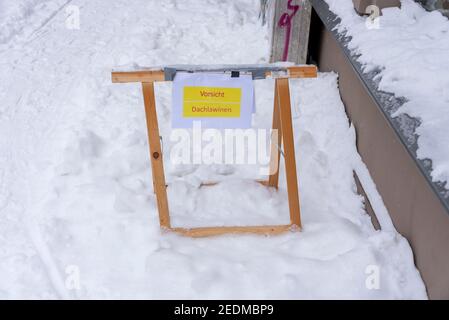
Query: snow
column 78, row 216
column 410, row 50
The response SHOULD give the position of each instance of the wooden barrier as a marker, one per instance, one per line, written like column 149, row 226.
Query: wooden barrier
column 282, row 121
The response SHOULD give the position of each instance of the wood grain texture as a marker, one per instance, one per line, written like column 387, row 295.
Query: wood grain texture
column 289, row 150
column 157, row 166
column 214, row 183
column 309, row 71
column 276, row 143
column 299, row 35
column 303, row 71
column 137, row 76
column 216, row 231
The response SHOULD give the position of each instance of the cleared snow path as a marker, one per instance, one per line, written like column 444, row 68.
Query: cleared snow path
column 75, row 181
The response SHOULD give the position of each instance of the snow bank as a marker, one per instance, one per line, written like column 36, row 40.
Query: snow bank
column 410, row 48
column 25, row 18
column 78, row 216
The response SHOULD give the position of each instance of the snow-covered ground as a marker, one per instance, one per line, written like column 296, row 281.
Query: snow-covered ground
column 410, row 47
column 76, row 202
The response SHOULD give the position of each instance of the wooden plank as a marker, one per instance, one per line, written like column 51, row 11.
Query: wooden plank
column 301, row 42
column 214, row 183
column 276, row 142
column 157, row 165
column 303, row 71
column 309, row 71
column 137, row 76
column 290, row 30
column 289, row 150
column 216, row 231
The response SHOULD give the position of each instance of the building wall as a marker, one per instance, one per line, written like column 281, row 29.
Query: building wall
column 415, row 208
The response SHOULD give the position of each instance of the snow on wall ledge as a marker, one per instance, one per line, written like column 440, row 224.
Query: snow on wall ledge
column 409, row 51
column 76, row 194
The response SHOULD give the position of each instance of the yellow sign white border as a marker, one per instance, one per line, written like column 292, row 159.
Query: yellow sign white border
column 217, row 100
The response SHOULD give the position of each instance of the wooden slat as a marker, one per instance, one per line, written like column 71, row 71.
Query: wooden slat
column 216, row 231
column 304, row 71
column 214, row 183
column 157, row 165
column 137, row 76
column 309, row 71
column 289, row 150
column 276, row 141
column 294, row 48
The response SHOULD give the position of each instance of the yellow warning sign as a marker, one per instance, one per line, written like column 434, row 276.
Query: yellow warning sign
column 211, row 102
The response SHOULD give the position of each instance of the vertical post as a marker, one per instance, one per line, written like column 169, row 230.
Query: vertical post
column 290, row 31
column 157, row 166
column 276, row 141
column 289, row 150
